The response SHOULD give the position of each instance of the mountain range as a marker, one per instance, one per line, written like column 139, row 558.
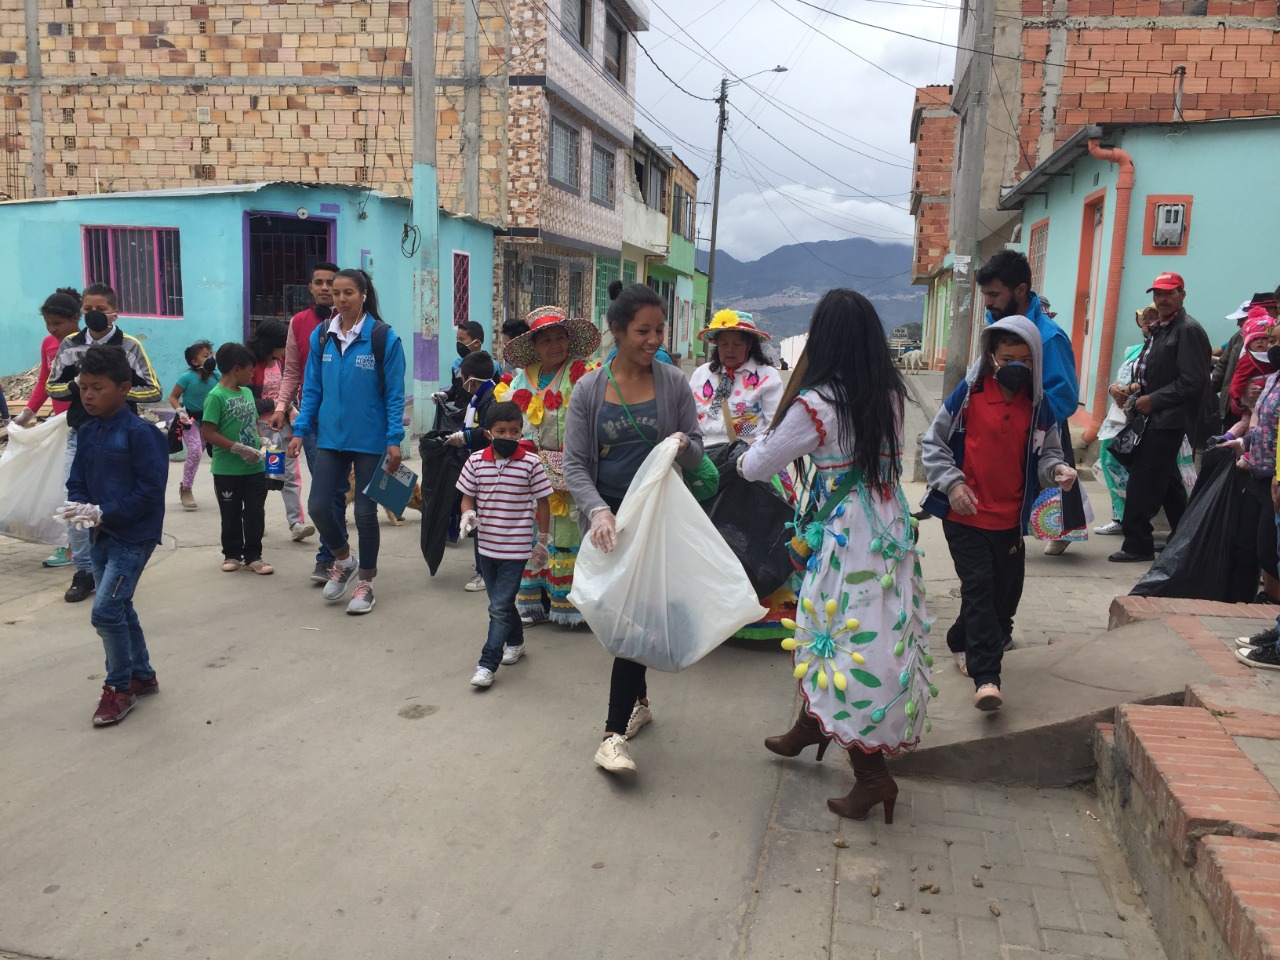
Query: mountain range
column 781, row 288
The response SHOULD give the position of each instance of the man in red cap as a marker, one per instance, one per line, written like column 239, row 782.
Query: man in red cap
column 1173, row 373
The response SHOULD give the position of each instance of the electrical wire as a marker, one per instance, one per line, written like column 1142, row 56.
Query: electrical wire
column 693, row 96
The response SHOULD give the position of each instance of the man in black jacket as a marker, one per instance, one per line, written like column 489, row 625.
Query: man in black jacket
column 1173, row 373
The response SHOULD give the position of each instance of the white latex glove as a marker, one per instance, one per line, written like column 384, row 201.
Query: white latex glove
column 440, row 396
column 25, row 417
column 604, row 529
column 684, row 441
column 1064, row 476
column 184, row 418
column 455, row 439
column 246, row 453
column 963, row 500
column 542, row 552
column 469, row 522
column 82, row 515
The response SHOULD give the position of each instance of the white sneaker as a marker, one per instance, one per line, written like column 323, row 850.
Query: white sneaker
column 961, row 662
column 613, row 755
column 340, row 573
column 301, row 531
column 483, row 677
column 362, row 600
column 511, row 654
column 640, row 715
column 987, row 698
column 475, row 584
column 1055, row 548
column 1110, row 529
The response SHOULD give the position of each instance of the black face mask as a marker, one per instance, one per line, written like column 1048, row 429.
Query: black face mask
column 1014, row 376
column 210, row 365
column 97, row 321
column 505, row 448
column 1273, row 356
column 464, row 350
column 321, row 311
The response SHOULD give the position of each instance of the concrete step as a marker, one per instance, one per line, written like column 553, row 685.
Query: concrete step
column 1053, row 697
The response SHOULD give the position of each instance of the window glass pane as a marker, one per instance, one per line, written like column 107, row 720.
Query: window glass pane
column 615, row 47
column 545, row 280
column 564, row 153
column 606, row 273
column 677, row 210
column 571, row 17
column 602, row 175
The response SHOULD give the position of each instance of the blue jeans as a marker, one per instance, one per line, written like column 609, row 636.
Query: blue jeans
column 325, row 554
column 502, row 581
column 328, row 503
column 77, row 539
column 116, row 569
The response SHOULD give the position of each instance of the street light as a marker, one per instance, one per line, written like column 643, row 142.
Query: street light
column 723, row 101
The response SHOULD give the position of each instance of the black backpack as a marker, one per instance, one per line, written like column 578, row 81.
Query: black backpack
column 378, row 339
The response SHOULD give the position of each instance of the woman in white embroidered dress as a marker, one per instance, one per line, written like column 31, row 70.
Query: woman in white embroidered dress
column 861, row 646
column 739, row 375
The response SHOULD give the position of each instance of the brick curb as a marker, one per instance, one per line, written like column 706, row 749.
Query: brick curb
column 1207, row 802
column 1130, row 609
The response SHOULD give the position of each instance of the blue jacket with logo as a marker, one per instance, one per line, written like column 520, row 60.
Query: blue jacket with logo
column 1061, row 388
column 344, row 401
column 122, row 465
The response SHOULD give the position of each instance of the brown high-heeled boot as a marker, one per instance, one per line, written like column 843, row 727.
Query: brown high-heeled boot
column 874, row 785
column 803, row 732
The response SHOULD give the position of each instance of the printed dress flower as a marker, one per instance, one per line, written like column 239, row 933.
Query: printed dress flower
column 500, row 391
column 534, row 410
column 521, row 399
column 552, row 400
column 559, row 504
column 577, row 370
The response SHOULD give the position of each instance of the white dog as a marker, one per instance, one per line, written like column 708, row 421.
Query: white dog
column 912, row 360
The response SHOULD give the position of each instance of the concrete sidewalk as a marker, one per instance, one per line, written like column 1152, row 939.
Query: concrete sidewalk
column 313, row 784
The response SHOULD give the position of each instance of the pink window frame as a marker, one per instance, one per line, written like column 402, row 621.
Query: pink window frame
column 111, row 260
column 461, row 255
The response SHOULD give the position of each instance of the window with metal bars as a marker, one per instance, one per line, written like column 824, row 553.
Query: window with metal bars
column 546, row 280
column 602, row 163
column 564, row 154
column 142, row 264
column 1037, row 248
column 461, row 288
column 607, row 270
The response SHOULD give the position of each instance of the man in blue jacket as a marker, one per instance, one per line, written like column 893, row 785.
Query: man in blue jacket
column 1005, row 282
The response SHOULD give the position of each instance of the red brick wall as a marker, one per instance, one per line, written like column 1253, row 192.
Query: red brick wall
column 935, row 137
column 1118, row 71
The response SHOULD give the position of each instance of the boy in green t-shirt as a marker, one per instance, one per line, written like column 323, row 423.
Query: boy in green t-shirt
column 239, row 478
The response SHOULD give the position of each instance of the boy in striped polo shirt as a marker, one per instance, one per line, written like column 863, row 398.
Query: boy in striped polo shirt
column 504, row 488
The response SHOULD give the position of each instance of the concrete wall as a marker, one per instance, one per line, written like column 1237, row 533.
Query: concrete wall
column 933, row 131
column 43, row 242
column 1219, row 272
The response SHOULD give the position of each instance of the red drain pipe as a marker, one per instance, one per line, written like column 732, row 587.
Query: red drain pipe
column 1111, row 307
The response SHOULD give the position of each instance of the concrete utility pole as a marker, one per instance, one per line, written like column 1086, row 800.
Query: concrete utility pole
column 723, row 101
column 35, row 97
column 426, row 363
column 966, row 199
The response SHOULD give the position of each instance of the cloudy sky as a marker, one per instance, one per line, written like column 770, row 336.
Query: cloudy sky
column 804, row 147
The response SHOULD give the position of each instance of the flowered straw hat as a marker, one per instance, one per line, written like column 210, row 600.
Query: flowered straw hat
column 584, row 338
column 731, row 321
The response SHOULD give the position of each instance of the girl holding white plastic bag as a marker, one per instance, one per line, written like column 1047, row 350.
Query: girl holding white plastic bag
column 616, row 416
column 861, row 645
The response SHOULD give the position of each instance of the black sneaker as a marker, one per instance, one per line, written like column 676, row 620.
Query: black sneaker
column 1264, row 658
column 1267, row 638
column 321, row 573
column 81, row 587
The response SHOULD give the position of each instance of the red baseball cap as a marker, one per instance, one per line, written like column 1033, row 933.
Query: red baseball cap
column 1167, row 281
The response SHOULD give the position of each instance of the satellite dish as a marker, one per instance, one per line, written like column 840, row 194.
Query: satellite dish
column 303, row 213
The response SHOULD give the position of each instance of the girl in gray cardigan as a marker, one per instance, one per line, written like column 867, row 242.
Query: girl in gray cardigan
column 617, row 414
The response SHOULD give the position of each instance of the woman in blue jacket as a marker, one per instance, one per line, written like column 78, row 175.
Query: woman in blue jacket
column 353, row 398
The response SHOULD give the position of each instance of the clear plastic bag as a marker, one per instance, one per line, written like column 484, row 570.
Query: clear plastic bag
column 672, row 590
column 32, row 485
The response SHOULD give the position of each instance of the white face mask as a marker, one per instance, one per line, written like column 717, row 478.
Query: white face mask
column 1259, row 355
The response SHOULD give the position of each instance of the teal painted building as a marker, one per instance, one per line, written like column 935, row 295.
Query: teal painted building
column 211, row 263
column 1202, row 205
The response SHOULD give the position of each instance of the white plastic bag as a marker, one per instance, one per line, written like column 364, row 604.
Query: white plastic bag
column 672, row 590
column 32, row 485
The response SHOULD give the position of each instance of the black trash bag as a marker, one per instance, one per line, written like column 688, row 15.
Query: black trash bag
column 752, row 517
column 449, row 418
column 1210, row 557
column 176, row 435
column 441, row 465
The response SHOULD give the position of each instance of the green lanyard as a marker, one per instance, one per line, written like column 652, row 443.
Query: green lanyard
column 625, row 409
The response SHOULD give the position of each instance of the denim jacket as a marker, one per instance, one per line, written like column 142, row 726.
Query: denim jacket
column 122, row 465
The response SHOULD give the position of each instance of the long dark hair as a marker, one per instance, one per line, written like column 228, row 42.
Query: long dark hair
column 364, row 283
column 847, row 362
column 63, row 302
column 192, row 352
column 269, row 336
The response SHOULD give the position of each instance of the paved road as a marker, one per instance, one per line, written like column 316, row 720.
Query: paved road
column 312, row 784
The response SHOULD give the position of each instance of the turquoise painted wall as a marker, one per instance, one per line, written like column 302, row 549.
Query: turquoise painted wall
column 1223, row 265
column 42, row 241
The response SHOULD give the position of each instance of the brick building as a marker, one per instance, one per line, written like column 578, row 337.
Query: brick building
column 933, row 132
column 1058, row 65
